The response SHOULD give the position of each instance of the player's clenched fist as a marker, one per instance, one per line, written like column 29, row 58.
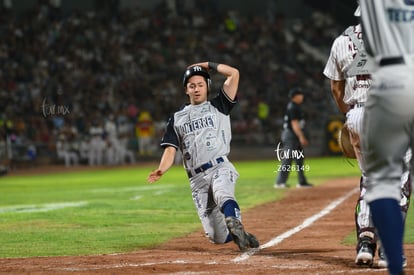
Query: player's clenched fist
column 154, row 176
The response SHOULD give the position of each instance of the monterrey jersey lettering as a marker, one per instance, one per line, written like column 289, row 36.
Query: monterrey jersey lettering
column 400, row 15
column 208, row 121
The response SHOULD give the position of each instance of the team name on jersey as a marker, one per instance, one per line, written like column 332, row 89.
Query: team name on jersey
column 361, row 86
column 208, row 121
column 401, row 15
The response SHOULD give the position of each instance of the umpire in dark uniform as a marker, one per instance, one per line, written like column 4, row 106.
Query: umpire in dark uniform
column 293, row 141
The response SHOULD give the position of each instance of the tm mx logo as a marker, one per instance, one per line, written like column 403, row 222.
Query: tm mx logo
column 288, row 153
column 53, row 109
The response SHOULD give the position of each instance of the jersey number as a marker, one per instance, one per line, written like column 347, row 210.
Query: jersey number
column 333, row 128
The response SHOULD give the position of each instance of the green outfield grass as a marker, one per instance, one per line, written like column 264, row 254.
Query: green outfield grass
column 115, row 210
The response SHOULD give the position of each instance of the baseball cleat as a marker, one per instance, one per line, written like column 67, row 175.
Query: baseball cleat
column 365, row 256
column 253, row 242
column 382, row 261
column 243, row 239
column 280, row 185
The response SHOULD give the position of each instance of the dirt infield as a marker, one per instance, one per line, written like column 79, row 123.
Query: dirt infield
column 301, row 234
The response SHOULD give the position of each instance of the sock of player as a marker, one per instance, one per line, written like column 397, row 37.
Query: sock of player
column 386, row 215
column 229, row 238
column 231, row 209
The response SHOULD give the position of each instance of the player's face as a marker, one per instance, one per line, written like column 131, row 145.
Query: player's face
column 196, row 89
column 298, row 99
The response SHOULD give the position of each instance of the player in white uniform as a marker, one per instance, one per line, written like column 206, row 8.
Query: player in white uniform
column 349, row 69
column 201, row 130
column 113, row 150
column 388, row 129
column 96, row 144
column 65, row 152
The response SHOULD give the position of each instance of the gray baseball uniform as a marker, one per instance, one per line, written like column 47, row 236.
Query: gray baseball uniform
column 389, row 113
column 203, row 134
column 388, row 129
column 201, row 130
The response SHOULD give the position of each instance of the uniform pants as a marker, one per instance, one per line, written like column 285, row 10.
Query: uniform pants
column 210, row 190
column 388, row 133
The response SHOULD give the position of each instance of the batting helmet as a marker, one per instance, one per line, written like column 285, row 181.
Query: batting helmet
column 196, row 70
column 295, row 91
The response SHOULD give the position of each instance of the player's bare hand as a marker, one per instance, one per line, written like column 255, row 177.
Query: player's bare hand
column 154, row 176
column 303, row 141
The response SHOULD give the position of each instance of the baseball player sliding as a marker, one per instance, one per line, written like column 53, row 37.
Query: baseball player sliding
column 349, row 69
column 201, row 131
column 388, row 129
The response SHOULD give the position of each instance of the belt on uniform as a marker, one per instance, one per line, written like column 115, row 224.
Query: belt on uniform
column 358, row 105
column 392, row 61
column 191, row 173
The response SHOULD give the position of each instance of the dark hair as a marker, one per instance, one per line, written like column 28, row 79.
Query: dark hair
column 295, row 91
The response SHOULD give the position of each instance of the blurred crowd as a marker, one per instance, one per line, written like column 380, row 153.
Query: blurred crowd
column 83, row 79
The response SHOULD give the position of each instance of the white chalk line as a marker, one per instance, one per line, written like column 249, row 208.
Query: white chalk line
column 159, row 190
column 309, row 221
column 29, row 208
column 135, row 198
column 129, row 189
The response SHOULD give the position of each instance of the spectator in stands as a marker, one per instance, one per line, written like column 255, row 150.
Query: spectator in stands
column 70, row 60
column 65, row 152
column 145, row 133
column 126, row 154
column 113, row 150
column 83, row 148
column 97, row 143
